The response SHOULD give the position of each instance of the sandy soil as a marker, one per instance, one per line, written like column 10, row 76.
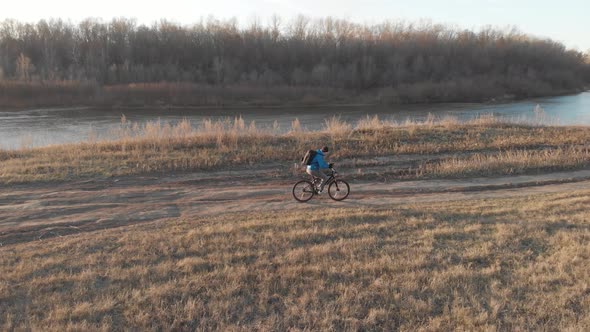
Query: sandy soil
column 35, row 212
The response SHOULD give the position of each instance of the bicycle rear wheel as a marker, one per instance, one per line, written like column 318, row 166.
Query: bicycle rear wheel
column 303, row 191
column 338, row 190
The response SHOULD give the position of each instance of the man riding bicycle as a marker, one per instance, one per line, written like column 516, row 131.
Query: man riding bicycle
column 318, row 167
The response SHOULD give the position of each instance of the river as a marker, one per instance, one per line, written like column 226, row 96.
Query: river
column 41, row 127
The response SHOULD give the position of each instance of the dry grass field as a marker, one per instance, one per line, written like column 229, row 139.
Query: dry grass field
column 494, row 264
column 107, row 247
column 484, row 146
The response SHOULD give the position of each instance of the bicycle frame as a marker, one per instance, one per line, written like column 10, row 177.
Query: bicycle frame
column 331, row 178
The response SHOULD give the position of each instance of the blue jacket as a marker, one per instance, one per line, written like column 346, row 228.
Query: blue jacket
column 318, row 161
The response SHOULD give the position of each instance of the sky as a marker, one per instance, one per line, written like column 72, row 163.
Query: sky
column 566, row 21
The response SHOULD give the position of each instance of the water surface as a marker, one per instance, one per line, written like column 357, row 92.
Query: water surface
column 40, row 127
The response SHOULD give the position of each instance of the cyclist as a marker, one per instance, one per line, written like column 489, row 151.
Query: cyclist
column 319, row 167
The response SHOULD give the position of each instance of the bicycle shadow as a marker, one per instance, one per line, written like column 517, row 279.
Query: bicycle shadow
column 348, row 202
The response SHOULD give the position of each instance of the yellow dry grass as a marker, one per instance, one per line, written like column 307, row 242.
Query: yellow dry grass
column 503, row 264
column 510, row 162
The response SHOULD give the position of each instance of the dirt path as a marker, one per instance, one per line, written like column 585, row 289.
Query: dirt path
column 36, row 212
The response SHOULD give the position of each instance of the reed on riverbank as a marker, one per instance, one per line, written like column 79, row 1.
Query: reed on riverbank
column 18, row 94
column 164, row 95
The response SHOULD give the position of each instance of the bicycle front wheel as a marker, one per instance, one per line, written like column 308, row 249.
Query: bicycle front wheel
column 303, row 191
column 338, row 190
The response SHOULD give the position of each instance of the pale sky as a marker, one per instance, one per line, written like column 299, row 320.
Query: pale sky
column 567, row 21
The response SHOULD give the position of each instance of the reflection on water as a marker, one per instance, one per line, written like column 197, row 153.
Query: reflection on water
column 66, row 125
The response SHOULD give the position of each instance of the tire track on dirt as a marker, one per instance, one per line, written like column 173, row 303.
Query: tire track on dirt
column 37, row 212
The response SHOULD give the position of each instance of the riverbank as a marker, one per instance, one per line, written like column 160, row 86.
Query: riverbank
column 432, row 148
column 15, row 95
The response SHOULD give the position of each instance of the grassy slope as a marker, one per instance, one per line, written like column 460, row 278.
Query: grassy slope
column 510, row 264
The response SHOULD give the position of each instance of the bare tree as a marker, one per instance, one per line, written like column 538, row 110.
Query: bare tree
column 275, row 28
column 24, row 68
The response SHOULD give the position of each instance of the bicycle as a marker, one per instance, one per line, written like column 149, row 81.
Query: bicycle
column 338, row 189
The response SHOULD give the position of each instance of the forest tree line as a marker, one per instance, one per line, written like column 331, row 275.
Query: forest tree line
column 392, row 61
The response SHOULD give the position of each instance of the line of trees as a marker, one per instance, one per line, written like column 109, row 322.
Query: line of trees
column 399, row 61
